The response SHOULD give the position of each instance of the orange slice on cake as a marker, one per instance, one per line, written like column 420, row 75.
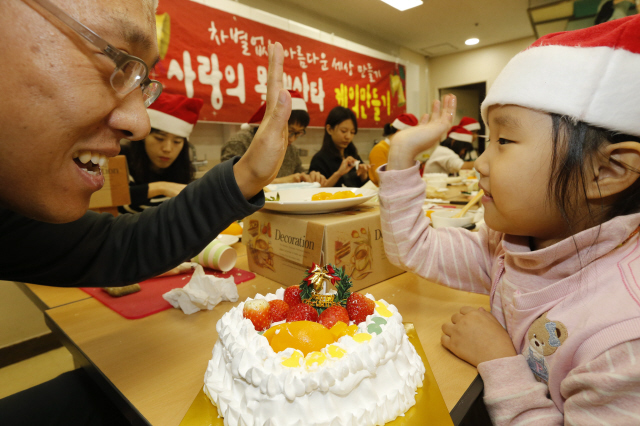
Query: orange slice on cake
column 306, row 336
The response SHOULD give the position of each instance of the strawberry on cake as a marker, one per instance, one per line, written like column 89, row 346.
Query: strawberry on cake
column 309, row 356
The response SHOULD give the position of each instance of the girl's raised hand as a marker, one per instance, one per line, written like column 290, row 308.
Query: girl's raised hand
column 260, row 164
column 408, row 143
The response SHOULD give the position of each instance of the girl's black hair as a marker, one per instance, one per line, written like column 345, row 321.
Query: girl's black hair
column 388, row 130
column 335, row 117
column 575, row 145
column 181, row 171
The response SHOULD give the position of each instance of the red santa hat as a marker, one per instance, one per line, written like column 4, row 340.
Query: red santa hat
column 469, row 123
column 589, row 74
column 404, row 121
column 297, row 103
column 175, row 114
column 459, row 133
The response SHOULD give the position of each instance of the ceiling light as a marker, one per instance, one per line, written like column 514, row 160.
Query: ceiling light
column 403, row 4
column 472, row 41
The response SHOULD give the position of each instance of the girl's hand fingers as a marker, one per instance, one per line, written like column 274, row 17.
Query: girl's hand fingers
column 446, row 341
column 435, row 110
column 424, row 119
column 447, row 328
column 466, row 309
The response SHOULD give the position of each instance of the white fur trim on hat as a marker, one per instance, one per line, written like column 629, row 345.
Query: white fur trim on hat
column 472, row 126
column 461, row 137
column 298, row 104
column 400, row 125
column 169, row 123
column 591, row 84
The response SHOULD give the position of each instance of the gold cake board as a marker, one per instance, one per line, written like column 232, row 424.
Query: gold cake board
column 429, row 409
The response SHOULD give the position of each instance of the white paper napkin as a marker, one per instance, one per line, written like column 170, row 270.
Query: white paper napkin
column 202, row 292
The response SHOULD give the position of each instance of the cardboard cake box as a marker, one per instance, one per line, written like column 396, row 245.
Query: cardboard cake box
column 115, row 191
column 282, row 247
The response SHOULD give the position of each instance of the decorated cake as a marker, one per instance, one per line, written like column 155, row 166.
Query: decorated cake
column 313, row 354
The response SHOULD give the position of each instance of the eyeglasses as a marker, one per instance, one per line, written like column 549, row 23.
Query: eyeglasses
column 296, row 135
column 130, row 71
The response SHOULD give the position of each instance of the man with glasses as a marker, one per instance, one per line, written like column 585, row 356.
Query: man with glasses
column 74, row 80
column 291, row 170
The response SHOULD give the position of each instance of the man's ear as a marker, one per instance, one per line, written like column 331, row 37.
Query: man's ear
column 615, row 169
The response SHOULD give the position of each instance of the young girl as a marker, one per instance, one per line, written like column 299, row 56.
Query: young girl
column 559, row 255
column 159, row 165
column 338, row 159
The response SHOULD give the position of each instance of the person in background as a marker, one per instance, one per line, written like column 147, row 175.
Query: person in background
column 380, row 152
column 559, row 252
column 443, row 159
column 338, row 157
column 608, row 10
column 291, row 170
column 159, row 165
column 472, row 125
column 459, row 140
column 65, row 98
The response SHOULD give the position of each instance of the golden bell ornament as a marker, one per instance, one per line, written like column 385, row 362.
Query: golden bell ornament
column 396, row 87
column 163, row 32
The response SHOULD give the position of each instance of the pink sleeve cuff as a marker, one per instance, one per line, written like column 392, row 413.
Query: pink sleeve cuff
column 504, row 375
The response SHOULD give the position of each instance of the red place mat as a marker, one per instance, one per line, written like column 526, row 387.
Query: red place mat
column 149, row 299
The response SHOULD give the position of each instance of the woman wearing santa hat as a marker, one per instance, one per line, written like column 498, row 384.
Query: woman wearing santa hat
column 444, row 159
column 380, row 153
column 291, row 170
column 159, row 165
column 460, row 140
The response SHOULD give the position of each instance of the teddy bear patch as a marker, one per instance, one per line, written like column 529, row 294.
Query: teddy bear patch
column 545, row 337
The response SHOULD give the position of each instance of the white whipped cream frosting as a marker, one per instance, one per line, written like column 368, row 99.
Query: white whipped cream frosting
column 373, row 383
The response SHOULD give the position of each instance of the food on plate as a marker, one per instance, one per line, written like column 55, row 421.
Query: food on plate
column 233, row 229
column 339, row 195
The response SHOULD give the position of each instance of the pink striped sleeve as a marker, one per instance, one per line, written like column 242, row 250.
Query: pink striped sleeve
column 513, row 396
column 605, row 391
column 454, row 257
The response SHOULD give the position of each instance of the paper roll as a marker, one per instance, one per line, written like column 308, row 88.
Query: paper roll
column 217, row 256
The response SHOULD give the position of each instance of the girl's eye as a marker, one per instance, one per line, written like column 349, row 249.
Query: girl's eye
column 503, row 141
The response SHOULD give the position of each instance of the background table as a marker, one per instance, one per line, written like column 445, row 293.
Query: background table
column 46, row 297
column 154, row 366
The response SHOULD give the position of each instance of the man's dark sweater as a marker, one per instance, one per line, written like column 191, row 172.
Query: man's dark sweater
column 100, row 250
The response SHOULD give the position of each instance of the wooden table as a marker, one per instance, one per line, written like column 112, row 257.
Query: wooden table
column 46, row 297
column 154, row 367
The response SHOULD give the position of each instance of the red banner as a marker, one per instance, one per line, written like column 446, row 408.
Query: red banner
column 222, row 59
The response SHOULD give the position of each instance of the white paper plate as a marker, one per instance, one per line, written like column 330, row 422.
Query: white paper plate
column 297, row 185
column 228, row 239
column 298, row 201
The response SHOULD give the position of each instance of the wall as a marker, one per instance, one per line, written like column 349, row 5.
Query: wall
column 209, row 137
column 474, row 66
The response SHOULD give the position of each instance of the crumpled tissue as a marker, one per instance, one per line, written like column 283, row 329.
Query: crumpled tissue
column 202, row 292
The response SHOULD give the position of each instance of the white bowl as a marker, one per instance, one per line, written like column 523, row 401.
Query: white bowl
column 443, row 219
column 436, row 184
